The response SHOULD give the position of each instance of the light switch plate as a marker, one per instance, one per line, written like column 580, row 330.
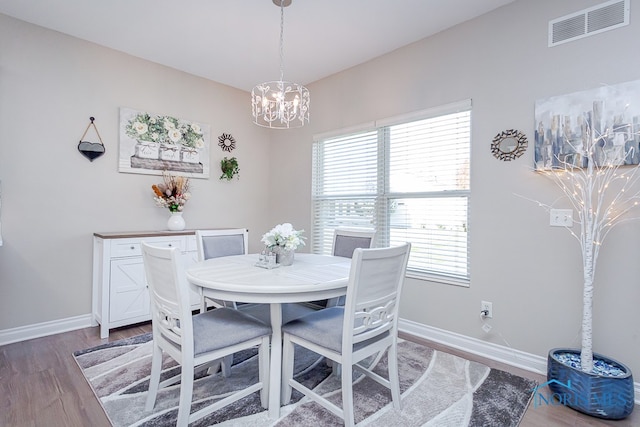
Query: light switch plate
column 561, row 218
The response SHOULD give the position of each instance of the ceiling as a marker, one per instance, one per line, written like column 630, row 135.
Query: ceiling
column 236, row 42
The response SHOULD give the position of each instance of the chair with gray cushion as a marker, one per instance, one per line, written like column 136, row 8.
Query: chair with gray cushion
column 195, row 342
column 345, row 241
column 219, row 243
column 366, row 325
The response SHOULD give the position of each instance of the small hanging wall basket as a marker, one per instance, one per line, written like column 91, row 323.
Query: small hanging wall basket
column 226, row 142
column 229, row 168
column 91, row 150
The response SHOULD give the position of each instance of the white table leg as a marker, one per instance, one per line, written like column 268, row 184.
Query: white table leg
column 203, row 302
column 275, row 375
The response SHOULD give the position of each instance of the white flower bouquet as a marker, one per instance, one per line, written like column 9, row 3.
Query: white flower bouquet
column 284, row 237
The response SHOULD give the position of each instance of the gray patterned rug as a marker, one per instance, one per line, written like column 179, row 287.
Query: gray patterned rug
column 438, row 389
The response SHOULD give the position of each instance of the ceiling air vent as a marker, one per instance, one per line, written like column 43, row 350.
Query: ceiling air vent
column 603, row 17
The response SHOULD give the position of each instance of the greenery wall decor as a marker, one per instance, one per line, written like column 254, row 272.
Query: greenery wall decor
column 229, row 168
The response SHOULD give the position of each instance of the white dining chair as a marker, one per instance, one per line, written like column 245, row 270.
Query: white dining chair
column 366, row 325
column 219, row 243
column 345, row 241
column 195, row 341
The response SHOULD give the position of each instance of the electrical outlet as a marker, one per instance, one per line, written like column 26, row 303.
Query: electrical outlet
column 486, row 309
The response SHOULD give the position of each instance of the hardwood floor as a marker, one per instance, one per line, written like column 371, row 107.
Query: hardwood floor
column 542, row 415
column 41, row 384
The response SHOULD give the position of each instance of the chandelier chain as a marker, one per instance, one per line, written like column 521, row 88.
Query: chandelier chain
column 281, row 40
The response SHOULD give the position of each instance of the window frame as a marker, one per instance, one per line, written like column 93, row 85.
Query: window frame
column 381, row 219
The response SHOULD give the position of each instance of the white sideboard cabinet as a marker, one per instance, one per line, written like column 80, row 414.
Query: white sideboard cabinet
column 120, row 294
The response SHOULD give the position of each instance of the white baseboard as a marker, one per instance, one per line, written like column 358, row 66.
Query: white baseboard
column 499, row 353
column 23, row 333
column 517, row 358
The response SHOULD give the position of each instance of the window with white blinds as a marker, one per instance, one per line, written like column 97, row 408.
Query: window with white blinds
column 409, row 179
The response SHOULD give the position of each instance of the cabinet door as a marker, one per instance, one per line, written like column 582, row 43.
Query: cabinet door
column 129, row 296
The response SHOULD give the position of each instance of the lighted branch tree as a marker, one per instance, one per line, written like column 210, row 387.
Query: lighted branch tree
column 603, row 192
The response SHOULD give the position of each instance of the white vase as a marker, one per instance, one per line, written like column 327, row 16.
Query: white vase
column 176, row 222
column 284, row 257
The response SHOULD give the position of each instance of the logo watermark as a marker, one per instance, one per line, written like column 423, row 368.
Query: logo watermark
column 569, row 397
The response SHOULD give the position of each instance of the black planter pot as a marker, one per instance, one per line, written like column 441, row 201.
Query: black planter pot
column 600, row 396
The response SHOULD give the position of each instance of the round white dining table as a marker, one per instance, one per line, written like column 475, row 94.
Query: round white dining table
column 237, row 278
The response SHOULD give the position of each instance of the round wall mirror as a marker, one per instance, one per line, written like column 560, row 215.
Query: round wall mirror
column 509, row 145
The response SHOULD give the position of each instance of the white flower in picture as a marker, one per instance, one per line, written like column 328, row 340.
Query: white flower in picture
column 140, row 128
column 174, row 135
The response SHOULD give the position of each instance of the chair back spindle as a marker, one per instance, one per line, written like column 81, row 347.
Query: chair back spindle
column 169, row 293
column 376, row 280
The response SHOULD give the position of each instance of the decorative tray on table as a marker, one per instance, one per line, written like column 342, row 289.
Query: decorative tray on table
column 265, row 264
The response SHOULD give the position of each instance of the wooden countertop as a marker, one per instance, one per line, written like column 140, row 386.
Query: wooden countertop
column 133, row 234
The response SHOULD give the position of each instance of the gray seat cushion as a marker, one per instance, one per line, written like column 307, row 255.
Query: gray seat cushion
column 324, row 327
column 224, row 327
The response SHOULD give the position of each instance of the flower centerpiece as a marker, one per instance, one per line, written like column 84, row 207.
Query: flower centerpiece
column 283, row 239
column 172, row 193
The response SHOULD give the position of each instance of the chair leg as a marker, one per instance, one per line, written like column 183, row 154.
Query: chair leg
column 227, row 361
column 154, row 378
column 347, row 396
column 336, row 368
column 263, row 371
column 214, row 367
column 287, row 369
column 186, row 393
column 394, row 379
column 203, row 304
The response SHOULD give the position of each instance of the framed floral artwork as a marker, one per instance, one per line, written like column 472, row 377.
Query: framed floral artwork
column 152, row 143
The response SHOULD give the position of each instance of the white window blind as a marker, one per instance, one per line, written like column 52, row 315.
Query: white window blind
column 345, row 185
column 409, row 180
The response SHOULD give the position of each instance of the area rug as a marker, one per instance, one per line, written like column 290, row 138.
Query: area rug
column 438, row 389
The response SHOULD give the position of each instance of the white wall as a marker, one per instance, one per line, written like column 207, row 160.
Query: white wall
column 530, row 271
column 53, row 199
